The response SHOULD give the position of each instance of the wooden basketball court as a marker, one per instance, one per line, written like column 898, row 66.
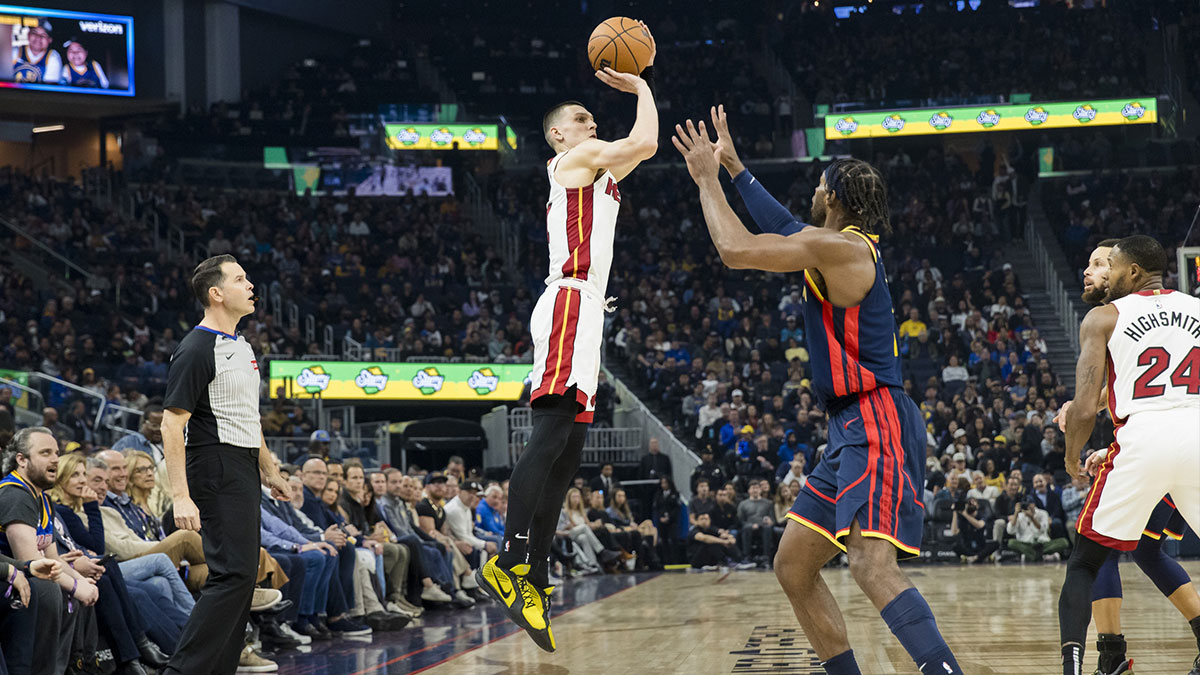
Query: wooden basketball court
column 997, row 619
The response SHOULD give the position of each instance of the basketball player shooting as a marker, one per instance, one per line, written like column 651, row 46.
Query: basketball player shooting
column 862, row 497
column 1168, row 575
column 1145, row 345
column 567, row 328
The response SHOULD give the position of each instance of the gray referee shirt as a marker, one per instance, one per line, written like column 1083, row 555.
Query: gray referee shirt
column 214, row 376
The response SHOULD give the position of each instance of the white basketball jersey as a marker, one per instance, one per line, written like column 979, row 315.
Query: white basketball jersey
column 580, row 226
column 1154, row 355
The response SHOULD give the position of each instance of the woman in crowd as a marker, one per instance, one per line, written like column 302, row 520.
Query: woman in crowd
column 573, row 523
column 141, row 486
column 125, row 612
column 621, row 516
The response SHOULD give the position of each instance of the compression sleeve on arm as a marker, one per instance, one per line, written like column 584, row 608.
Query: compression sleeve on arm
column 770, row 216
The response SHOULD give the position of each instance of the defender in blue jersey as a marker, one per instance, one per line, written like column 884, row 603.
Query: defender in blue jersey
column 864, row 495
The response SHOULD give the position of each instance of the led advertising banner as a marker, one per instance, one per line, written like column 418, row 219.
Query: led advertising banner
column 442, row 136
column 76, row 52
column 375, row 381
column 976, row 119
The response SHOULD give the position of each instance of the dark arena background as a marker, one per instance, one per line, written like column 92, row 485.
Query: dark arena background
column 378, row 168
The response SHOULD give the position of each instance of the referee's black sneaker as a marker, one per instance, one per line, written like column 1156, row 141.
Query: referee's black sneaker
column 523, row 602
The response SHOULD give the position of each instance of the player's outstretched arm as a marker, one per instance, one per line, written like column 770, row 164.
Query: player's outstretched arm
column 739, row 249
column 1090, row 371
column 622, row 156
column 767, row 212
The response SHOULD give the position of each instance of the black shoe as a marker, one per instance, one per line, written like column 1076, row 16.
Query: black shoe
column 608, row 557
column 1195, row 667
column 382, row 622
column 131, row 668
column 314, row 631
column 151, row 655
column 273, row 637
column 479, row 595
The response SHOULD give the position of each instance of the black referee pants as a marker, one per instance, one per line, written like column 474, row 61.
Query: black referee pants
column 223, row 481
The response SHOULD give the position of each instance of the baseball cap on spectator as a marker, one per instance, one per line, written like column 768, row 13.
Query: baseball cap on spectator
column 319, row 435
column 747, row 429
column 960, row 433
column 1000, row 438
column 960, row 457
column 736, row 392
column 985, row 441
column 435, row 477
column 471, row 486
column 73, row 446
column 1006, row 267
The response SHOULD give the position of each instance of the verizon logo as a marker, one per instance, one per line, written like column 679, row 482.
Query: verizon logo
column 102, row 27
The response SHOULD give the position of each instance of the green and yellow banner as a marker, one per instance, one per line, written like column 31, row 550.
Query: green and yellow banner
column 977, row 119
column 443, row 136
column 368, row 381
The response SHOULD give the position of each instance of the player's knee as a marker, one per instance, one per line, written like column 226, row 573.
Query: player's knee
column 794, row 572
column 1148, row 552
column 870, row 563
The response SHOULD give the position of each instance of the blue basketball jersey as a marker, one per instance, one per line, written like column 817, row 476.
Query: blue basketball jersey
column 852, row 349
column 89, row 77
column 44, row 526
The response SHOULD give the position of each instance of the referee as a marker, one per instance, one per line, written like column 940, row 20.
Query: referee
column 216, row 455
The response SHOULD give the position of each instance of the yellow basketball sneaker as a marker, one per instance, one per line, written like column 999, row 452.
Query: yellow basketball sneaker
column 524, row 604
column 543, row 638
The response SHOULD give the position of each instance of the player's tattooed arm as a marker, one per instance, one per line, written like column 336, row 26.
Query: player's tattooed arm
column 1097, row 327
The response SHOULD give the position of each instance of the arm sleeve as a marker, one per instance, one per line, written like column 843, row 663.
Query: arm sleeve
column 119, row 539
column 460, row 527
column 277, row 534
column 90, row 537
column 770, row 216
column 192, row 369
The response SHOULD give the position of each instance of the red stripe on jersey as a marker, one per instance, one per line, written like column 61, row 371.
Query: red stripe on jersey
column 570, row 323
column 878, row 426
column 552, row 354
column 1085, row 525
column 585, row 233
column 866, row 379
column 579, row 233
column 897, row 447
column 836, row 373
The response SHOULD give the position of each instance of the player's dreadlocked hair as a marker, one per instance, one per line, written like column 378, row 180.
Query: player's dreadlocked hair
column 860, row 188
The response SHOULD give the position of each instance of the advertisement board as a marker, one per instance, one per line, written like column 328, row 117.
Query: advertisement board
column 442, row 136
column 76, row 52
column 977, row 119
column 375, row 381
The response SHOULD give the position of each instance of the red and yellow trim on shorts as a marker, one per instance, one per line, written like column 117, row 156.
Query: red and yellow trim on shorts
column 816, row 528
column 845, row 532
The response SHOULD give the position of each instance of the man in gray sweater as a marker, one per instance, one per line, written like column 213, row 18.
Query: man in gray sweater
column 756, row 516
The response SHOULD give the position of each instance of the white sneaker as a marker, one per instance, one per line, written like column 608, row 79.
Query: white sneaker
column 291, row 632
column 747, row 565
column 463, row 598
column 252, row 662
column 410, row 612
column 264, row 599
column 555, row 580
column 435, row 594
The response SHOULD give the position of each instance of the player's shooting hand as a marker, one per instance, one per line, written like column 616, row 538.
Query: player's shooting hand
column 1061, row 417
column 726, row 154
column 625, row 82
column 697, row 151
column 653, row 44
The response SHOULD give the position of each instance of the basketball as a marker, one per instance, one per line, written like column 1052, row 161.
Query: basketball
column 619, row 43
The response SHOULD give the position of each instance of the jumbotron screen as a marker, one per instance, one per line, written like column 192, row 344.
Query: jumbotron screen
column 58, row 50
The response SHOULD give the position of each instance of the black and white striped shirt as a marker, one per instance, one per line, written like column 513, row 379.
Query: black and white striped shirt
column 215, row 376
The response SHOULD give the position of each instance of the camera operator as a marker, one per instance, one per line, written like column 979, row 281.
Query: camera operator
column 1030, row 529
column 970, row 529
